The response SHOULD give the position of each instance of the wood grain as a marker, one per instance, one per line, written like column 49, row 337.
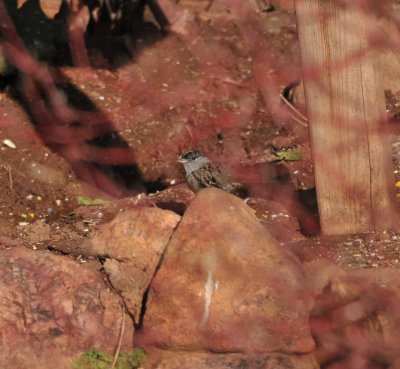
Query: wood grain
column 347, row 116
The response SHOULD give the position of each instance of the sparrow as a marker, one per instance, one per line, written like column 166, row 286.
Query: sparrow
column 201, row 173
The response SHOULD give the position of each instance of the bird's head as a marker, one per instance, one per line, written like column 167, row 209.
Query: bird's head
column 190, row 156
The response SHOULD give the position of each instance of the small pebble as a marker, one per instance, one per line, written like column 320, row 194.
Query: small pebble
column 7, row 142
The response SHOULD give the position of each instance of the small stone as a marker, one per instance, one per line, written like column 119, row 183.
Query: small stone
column 7, row 142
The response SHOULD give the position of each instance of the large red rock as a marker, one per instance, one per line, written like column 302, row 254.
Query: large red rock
column 225, row 285
column 133, row 243
column 159, row 359
column 53, row 309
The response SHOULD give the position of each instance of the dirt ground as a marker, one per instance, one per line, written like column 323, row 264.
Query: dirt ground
column 157, row 101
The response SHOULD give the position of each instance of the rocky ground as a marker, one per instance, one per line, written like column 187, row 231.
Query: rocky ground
column 104, row 243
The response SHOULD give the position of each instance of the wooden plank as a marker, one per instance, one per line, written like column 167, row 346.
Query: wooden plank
column 347, row 116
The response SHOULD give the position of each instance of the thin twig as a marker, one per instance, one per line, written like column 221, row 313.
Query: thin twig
column 304, row 124
column 10, row 178
column 293, row 108
column 121, row 334
column 16, row 171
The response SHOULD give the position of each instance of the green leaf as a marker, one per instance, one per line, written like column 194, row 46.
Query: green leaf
column 289, row 155
column 95, row 359
column 100, row 202
column 83, row 200
column 137, row 358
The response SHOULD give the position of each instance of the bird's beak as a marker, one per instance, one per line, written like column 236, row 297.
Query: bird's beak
column 181, row 160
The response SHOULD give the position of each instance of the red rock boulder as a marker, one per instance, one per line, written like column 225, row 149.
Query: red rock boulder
column 225, row 285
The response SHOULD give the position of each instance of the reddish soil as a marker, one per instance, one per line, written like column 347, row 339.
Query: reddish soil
column 161, row 102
